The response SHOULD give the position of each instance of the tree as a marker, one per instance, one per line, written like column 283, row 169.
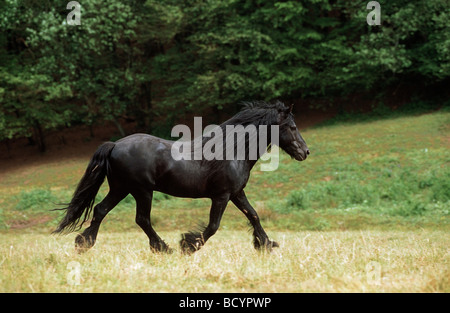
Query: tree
column 153, row 61
column 101, row 64
column 30, row 100
column 233, row 50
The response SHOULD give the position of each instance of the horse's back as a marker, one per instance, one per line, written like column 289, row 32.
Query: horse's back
column 145, row 161
column 135, row 157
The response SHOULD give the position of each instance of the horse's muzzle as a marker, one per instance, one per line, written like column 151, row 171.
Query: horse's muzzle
column 301, row 155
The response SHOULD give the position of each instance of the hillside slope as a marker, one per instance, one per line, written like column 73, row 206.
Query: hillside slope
column 383, row 173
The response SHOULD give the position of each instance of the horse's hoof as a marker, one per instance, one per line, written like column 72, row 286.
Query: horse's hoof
column 191, row 242
column 186, row 248
column 166, row 250
column 189, row 248
column 267, row 246
column 161, row 247
column 82, row 244
column 274, row 244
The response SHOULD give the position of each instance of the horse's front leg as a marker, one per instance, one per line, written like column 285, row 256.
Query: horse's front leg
column 193, row 241
column 260, row 238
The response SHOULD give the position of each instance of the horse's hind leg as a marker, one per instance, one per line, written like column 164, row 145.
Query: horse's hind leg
column 87, row 239
column 143, row 209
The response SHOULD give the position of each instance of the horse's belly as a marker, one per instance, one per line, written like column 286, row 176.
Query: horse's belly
column 180, row 190
column 187, row 185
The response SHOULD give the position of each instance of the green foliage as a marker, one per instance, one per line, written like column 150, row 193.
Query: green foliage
column 411, row 43
column 71, row 74
column 153, row 61
column 235, row 50
column 35, row 200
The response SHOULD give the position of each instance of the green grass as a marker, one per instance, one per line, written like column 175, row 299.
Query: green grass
column 371, row 191
column 371, row 174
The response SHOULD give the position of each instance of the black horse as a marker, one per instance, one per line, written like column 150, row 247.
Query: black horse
column 141, row 163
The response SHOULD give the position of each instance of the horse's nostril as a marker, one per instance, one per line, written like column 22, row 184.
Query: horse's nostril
column 307, row 151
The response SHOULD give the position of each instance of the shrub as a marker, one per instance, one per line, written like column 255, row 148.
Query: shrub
column 36, row 199
column 298, row 199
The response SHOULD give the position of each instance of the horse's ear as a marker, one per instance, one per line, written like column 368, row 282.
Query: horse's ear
column 285, row 109
column 283, row 112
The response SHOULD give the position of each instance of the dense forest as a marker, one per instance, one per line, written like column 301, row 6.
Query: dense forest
column 153, row 61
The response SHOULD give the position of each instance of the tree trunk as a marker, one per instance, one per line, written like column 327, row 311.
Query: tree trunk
column 143, row 112
column 119, row 127
column 39, row 134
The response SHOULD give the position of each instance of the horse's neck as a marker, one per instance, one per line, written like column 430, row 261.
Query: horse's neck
column 250, row 163
column 246, row 149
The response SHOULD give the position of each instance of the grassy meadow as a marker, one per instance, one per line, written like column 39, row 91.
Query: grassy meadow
column 307, row 261
column 368, row 211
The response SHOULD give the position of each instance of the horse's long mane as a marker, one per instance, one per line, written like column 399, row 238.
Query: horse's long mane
column 255, row 113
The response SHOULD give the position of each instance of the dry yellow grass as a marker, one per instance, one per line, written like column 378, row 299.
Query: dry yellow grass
column 350, row 261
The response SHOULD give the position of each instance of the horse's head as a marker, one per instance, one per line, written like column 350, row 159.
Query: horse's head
column 290, row 139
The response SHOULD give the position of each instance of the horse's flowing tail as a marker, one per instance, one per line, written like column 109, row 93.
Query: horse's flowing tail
column 84, row 196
